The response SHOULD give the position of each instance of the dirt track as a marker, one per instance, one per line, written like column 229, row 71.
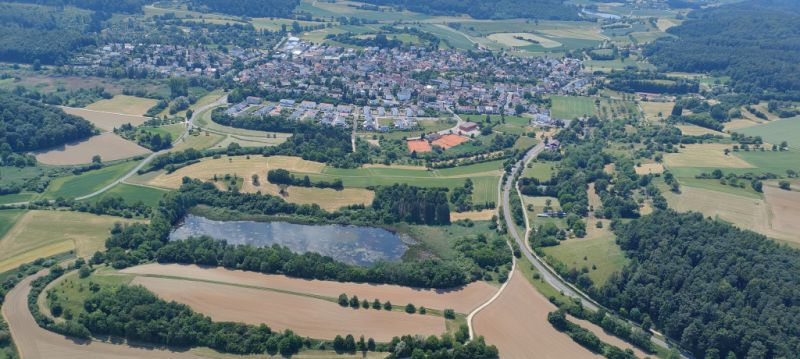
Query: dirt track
column 462, row 300
column 517, row 324
column 306, row 316
column 34, row 342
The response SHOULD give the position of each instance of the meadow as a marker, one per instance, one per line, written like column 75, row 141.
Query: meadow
column 129, row 105
column 598, row 253
column 45, row 233
column 109, row 146
column 705, row 155
column 132, row 193
column 88, row 182
column 777, row 131
column 105, row 121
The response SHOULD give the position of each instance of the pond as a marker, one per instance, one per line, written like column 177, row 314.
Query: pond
column 361, row 246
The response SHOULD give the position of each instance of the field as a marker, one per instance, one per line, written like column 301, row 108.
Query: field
column 694, row 130
column 245, row 141
column 744, row 212
column 198, row 141
column 598, row 253
column 513, row 40
column 543, row 170
column 238, row 165
column 484, row 215
column 134, row 193
column 327, row 198
column 653, row 109
column 516, row 322
column 462, row 300
column 777, row 131
column 108, row 146
column 7, row 219
column 649, row 168
column 705, row 155
column 784, row 207
column 45, row 233
column 571, row 107
column 105, row 121
column 88, row 182
column 123, row 104
column 174, row 130
column 304, row 315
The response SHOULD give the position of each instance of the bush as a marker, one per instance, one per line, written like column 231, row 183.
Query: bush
column 410, row 308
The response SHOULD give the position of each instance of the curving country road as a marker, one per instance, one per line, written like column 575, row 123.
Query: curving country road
column 34, row 342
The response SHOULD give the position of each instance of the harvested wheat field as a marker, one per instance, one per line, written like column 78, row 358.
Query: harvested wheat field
column 304, row 315
column 105, row 121
column 516, row 322
column 449, row 141
column 649, row 168
column 108, row 146
column 238, row 165
column 484, row 215
column 129, row 105
column 419, row 146
column 462, row 300
column 705, row 155
column 739, row 124
column 785, row 209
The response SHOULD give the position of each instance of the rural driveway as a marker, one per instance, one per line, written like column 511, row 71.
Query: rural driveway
column 34, row 342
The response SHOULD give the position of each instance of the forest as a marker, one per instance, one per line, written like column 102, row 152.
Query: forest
column 116, row 6
column 721, row 291
column 29, row 33
column 28, row 125
column 405, row 203
column 501, row 9
column 250, row 8
column 756, row 43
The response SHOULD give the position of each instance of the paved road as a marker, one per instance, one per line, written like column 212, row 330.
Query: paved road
column 548, row 274
column 34, row 342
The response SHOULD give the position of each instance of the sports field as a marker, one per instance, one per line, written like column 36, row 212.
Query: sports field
column 108, row 146
column 449, row 141
column 571, row 107
column 105, row 121
column 39, row 234
column 88, row 182
column 129, row 105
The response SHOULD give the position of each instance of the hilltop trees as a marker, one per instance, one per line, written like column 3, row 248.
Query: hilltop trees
column 27, row 125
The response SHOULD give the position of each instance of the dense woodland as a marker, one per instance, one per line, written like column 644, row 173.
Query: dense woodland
column 479, row 9
column 405, row 203
column 116, row 6
column 30, row 33
column 250, row 8
column 756, row 43
column 27, row 125
column 139, row 243
column 723, row 292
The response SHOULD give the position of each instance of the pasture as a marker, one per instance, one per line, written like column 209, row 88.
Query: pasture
column 649, row 168
column 40, row 234
column 777, row 131
column 87, row 182
column 705, row 155
column 108, row 146
column 134, row 193
column 656, row 111
column 129, row 105
column 572, row 107
column 105, row 121
column 7, row 219
column 543, row 170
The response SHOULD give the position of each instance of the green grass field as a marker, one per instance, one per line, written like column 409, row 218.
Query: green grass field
column 543, row 170
column 571, row 107
column 777, row 131
column 71, row 291
column 601, row 252
column 175, row 130
column 134, row 193
column 88, row 182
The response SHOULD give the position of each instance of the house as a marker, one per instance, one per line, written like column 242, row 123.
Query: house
column 468, row 126
column 308, row 105
column 252, row 100
column 286, row 102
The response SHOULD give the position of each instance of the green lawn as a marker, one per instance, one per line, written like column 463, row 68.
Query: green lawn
column 543, row 170
column 524, row 143
column 602, row 253
column 571, row 107
column 134, row 193
column 88, row 182
column 777, row 131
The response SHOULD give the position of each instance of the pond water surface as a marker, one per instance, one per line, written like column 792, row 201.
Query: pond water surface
column 362, row 246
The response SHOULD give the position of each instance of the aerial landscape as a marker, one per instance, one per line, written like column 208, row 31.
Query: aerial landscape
column 400, row 179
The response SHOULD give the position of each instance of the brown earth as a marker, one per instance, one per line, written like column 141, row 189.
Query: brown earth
column 105, row 121
column 517, row 324
column 306, row 316
column 109, row 146
column 462, row 299
column 449, row 141
column 785, row 210
column 419, row 146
